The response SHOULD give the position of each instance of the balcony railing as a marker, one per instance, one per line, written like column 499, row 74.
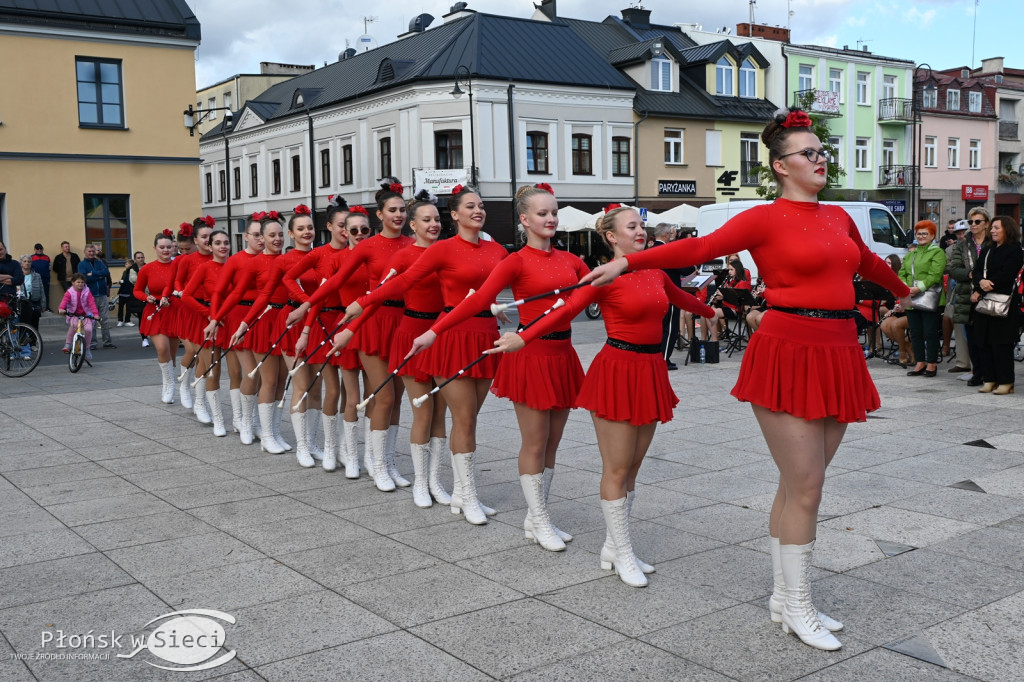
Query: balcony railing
column 748, row 173
column 1008, row 130
column 895, row 110
column 896, row 177
column 820, row 102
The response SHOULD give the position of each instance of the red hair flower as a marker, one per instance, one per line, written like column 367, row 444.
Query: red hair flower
column 611, row 207
column 185, row 230
column 797, row 119
column 330, row 198
column 302, row 209
column 210, row 221
column 458, row 189
column 396, row 187
column 258, row 216
column 546, row 187
column 183, row 226
column 273, row 215
column 168, row 233
column 358, row 209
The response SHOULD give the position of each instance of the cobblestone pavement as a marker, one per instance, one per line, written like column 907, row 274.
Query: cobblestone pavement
column 117, row 509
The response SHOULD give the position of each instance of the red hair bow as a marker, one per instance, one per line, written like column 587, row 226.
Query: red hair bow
column 302, row 209
column 457, row 189
column 546, row 187
column 360, row 210
column 259, row 215
column 611, row 207
column 185, row 230
column 273, row 215
column 168, row 233
column 396, row 187
column 210, row 221
column 797, row 119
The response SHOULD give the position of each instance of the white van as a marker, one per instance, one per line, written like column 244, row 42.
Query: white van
column 878, row 228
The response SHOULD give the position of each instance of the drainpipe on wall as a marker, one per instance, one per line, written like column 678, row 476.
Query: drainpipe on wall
column 636, row 159
column 511, row 144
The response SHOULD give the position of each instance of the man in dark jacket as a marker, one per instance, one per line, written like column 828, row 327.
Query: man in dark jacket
column 10, row 273
column 65, row 265
column 41, row 264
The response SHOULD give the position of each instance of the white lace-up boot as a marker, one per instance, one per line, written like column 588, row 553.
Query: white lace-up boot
column 330, row 424
column 199, row 406
column 389, row 458
column 420, row 463
column 549, row 474
column 235, row 394
column 350, row 448
column 185, row 389
column 267, row 441
column 798, row 614
column 246, row 403
column 542, row 532
column 624, row 561
column 464, row 499
column 276, row 425
column 299, row 425
column 313, row 435
column 778, row 598
column 438, row 446
column 167, row 385
column 216, row 412
column 378, row 470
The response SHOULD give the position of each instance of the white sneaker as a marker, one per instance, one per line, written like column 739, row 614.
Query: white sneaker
column 120, row 324
column 965, row 377
column 129, row 324
column 145, row 343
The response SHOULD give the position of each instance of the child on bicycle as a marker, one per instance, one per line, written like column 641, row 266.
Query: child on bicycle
column 79, row 301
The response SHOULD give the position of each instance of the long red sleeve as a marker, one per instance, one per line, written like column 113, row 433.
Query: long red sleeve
column 806, row 253
column 232, row 268
column 374, row 253
column 202, row 281
column 153, row 279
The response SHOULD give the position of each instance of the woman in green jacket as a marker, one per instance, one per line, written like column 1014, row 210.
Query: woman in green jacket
column 921, row 270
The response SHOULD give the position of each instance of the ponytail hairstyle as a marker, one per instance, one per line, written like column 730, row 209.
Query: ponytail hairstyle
column 606, row 223
column 421, row 199
column 300, row 211
column 459, row 192
column 784, row 123
column 389, row 189
column 336, row 204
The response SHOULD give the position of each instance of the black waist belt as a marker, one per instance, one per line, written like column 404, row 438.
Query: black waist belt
column 245, row 301
column 816, row 313
column 294, row 304
column 553, row 336
column 648, row 348
column 276, row 306
column 393, row 303
column 201, row 301
column 482, row 313
column 333, row 309
column 421, row 314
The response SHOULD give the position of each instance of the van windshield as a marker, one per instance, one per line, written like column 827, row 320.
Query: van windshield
column 885, row 230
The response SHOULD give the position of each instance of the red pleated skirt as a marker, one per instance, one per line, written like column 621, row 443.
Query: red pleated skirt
column 287, row 344
column 401, row 341
column 190, row 324
column 623, row 386
column 157, row 322
column 461, row 345
column 268, row 330
column 317, row 334
column 235, row 317
column 374, row 336
column 807, row 367
column 545, row 375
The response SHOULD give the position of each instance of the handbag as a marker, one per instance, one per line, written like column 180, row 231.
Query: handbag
column 927, row 300
column 993, row 304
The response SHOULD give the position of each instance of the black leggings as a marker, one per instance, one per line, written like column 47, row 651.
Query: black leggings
column 125, row 310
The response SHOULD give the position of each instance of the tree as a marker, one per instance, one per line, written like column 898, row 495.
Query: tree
column 770, row 190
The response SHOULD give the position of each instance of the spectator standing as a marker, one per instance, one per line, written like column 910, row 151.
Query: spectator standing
column 126, row 295
column 996, row 272
column 65, row 265
column 41, row 264
column 97, row 278
column 950, row 236
column 958, row 300
column 10, row 272
column 923, row 269
column 964, row 256
column 32, row 290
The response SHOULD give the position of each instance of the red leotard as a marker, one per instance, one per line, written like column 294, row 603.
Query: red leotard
column 196, row 296
column 153, row 278
column 806, row 254
column 273, row 292
column 187, row 324
column 231, row 316
column 422, row 300
column 251, row 281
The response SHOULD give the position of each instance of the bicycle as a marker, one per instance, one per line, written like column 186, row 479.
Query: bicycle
column 21, row 346
column 78, row 348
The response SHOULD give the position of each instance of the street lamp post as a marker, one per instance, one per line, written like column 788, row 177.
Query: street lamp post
column 463, row 75
column 915, row 137
column 192, row 119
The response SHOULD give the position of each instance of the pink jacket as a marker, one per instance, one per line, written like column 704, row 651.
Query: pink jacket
column 76, row 302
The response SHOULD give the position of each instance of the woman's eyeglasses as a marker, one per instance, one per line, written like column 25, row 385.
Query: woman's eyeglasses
column 812, row 155
column 361, row 230
column 975, row 222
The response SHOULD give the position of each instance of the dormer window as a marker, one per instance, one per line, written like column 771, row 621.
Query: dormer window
column 930, row 97
column 974, row 102
column 724, row 76
column 953, row 100
column 661, row 74
column 748, row 79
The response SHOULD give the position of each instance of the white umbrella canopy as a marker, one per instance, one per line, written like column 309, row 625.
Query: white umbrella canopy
column 574, row 220
column 683, row 215
column 595, row 216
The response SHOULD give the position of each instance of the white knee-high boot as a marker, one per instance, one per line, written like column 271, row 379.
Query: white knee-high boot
column 624, row 562
column 541, row 529
column 389, row 457
column 420, row 466
column 199, row 408
column 464, row 497
column 313, row 433
column 267, row 441
column 798, row 614
column 167, row 383
column 278, row 416
column 216, row 412
column 235, row 395
column 778, row 598
column 438, row 447
column 330, row 424
column 185, row 389
column 351, row 448
column 378, row 469
column 302, row 440
column 246, row 403
column 549, row 473
column 367, row 448
column 608, row 550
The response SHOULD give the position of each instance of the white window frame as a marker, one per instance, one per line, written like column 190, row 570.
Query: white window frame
column 863, row 88
column 952, row 100
column 953, row 152
column 888, row 152
column 835, row 82
column 837, row 146
column 748, row 79
column 675, row 146
column 931, row 146
column 888, row 86
column 804, row 77
column 725, row 77
column 930, row 98
column 228, row 100
column 862, row 153
column 661, row 74
column 974, row 102
column 974, row 155
column 211, row 105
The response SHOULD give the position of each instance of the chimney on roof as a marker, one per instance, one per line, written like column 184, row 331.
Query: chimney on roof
column 776, row 33
column 547, row 8
column 637, row 17
column 457, row 11
column 992, row 65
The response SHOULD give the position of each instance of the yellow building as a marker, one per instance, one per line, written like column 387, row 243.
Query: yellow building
column 92, row 143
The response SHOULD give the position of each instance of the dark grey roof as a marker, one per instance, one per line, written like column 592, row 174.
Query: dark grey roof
column 603, row 37
column 171, row 18
column 712, row 52
column 492, row 47
column 692, row 101
column 642, row 51
column 675, row 36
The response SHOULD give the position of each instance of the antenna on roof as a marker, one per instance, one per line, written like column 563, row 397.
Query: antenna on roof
column 366, row 23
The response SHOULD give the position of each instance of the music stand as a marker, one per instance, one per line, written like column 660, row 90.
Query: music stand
column 865, row 290
column 743, row 300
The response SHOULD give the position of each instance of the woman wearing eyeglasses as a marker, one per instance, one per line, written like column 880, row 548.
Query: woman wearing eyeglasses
column 996, row 272
column 959, row 267
column 922, row 270
column 804, row 371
